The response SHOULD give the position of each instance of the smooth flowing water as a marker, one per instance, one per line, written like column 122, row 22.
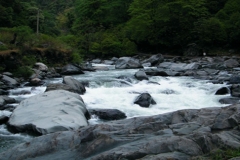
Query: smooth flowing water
column 117, row 89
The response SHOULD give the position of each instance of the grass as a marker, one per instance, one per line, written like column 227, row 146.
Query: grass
column 220, row 154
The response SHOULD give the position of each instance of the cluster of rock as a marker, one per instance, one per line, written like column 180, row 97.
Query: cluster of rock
column 164, row 136
column 184, row 134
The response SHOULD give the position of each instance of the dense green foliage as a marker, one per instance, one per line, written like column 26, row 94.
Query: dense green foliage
column 156, row 25
column 123, row 27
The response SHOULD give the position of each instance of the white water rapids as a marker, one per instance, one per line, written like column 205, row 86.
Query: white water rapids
column 107, row 91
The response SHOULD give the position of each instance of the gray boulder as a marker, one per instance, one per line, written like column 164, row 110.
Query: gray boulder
column 108, row 62
column 161, row 72
column 235, row 90
column 108, row 114
column 144, row 100
column 141, row 75
column 60, row 86
column 71, row 69
column 35, row 82
column 154, row 60
column 6, row 100
column 10, row 82
column 230, row 100
column 231, row 63
column 96, row 61
column 179, row 66
column 127, row 63
column 50, row 112
column 234, row 79
column 40, row 66
column 75, row 84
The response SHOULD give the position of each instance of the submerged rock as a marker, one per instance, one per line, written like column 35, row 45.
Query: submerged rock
column 144, row 100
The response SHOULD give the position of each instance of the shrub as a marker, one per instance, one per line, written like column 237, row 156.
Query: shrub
column 23, row 71
column 76, row 58
column 28, row 60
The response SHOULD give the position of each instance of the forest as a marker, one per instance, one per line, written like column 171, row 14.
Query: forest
column 107, row 28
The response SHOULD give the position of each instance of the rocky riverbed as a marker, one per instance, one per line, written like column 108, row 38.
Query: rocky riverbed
column 65, row 133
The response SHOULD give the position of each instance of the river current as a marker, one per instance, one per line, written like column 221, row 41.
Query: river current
column 117, row 89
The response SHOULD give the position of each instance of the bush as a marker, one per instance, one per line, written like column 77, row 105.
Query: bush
column 28, row 60
column 23, row 71
column 76, row 58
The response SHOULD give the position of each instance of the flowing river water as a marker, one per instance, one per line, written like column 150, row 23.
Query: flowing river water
column 117, row 89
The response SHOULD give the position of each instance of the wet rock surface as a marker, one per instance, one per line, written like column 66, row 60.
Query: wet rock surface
column 183, row 134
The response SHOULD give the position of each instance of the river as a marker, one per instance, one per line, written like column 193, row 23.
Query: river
column 117, row 89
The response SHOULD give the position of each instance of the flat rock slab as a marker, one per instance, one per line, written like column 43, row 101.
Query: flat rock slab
column 50, row 112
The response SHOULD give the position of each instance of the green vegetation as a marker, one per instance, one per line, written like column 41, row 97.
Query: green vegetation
column 120, row 27
column 220, row 154
column 23, row 71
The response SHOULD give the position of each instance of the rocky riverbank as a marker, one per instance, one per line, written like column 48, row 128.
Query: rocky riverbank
column 157, row 137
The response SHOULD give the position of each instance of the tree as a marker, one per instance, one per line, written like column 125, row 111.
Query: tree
column 164, row 23
column 212, row 32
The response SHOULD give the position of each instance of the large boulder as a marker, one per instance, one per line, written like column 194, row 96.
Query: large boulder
column 8, row 81
column 154, row 60
column 61, row 86
column 50, row 112
column 71, row 69
column 75, row 84
column 127, row 63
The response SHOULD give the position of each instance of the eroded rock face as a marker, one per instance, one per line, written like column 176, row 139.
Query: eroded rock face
column 50, row 112
column 183, row 134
